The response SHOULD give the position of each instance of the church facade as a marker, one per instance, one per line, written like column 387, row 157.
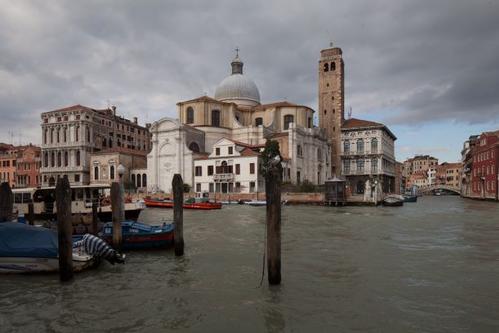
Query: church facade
column 236, row 113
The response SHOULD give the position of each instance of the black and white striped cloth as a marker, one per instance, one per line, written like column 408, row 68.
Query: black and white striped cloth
column 97, row 247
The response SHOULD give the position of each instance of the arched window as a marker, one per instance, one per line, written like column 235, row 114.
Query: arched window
column 110, row 143
column 104, row 142
column 194, row 147
column 144, row 180
column 59, row 159
column 333, row 66
column 64, row 134
column 52, row 159
column 360, row 187
column 360, row 166
column 87, row 130
column 46, row 159
column 66, row 159
column 190, row 115
column 45, row 134
column 58, row 135
column 139, row 181
column 299, row 151
column 326, row 67
column 346, row 146
column 133, row 179
column 111, row 172
column 288, row 119
column 374, row 165
column 78, row 161
column 51, row 135
column 96, row 172
column 77, row 133
column 215, row 118
column 360, row 146
column 258, row 121
column 374, row 146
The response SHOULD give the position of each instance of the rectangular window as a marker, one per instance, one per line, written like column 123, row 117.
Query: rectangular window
column 252, row 168
column 238, row 186
column 198, row 187
column 217, row 187
column 77, row 178
column 238, row 169
column 199, row 171
column 212, row 189
column 210, row 170
column 217, row 151
column 252, row 187
column 230, row 151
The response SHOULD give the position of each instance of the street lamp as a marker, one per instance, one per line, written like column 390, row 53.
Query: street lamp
column 121, row 171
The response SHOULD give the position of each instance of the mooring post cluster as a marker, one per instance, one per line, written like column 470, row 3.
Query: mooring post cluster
column 178, row 214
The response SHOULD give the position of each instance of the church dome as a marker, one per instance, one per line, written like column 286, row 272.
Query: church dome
column 237, row 87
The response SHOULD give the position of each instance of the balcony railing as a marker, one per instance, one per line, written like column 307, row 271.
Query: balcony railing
column 223, row 177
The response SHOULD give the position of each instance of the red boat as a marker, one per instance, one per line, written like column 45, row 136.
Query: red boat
column 202, row 204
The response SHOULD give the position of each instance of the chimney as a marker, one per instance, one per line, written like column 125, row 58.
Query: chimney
column 135, row 120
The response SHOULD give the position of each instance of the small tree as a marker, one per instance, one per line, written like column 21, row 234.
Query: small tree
column 187, row 188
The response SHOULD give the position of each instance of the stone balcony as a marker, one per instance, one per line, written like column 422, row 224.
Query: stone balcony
column 223, row 177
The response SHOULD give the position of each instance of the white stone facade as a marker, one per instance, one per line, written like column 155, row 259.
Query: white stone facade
column 174, row 149
column 367, row 153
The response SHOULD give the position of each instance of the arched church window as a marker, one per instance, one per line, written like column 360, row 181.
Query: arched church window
column 96, row 172
column 190, row 115
column 111, row 172
column 194, row 147
column 139, row 180
column 144, row 180
column 360, row 146
column 258, row 121
column 215, row 118
column 374, row 146
column 288, row 119
column 333, row 66
column 326, row 67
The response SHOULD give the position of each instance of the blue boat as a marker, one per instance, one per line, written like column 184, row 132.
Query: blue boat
column 410, row 198
column 137, row 235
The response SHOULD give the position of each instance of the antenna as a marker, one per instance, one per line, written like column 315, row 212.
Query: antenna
column 350, row 113
column 237, row 51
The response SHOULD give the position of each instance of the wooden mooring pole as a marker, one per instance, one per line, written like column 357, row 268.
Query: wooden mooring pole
column 118, row 208
column 6, row 203
column 273, row 197
column 95, row 219
column 178, row 213
column 64, row 228
column 31, row 214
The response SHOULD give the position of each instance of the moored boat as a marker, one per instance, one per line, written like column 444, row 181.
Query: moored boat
column 256, row 203
column 410, row 198
column 29, row 249
column 393, row 200
column 202, row 204
column 137, row 235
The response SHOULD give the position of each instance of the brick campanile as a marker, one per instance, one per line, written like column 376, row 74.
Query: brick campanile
column 332, row 101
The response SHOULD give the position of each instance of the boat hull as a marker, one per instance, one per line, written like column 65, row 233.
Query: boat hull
column 16, row 265
column 136, row 235
column 196, row 205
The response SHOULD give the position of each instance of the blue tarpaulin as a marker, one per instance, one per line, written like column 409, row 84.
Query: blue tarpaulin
column 21, row 240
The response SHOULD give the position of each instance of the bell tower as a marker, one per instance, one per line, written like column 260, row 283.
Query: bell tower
column 332, row 101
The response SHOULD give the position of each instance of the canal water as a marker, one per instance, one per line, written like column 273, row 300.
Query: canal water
column 430, row 266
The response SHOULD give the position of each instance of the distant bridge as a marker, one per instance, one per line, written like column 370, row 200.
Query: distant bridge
column 432, row 188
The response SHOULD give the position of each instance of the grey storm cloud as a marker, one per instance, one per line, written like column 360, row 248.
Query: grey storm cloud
column 410, row 62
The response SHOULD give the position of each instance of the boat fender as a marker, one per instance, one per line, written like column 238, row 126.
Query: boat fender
column 95, row 246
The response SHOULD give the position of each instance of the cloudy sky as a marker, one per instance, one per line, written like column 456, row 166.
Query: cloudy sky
column 427, row 69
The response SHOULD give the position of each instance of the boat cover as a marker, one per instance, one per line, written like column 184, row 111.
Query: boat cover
column 21, row 240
